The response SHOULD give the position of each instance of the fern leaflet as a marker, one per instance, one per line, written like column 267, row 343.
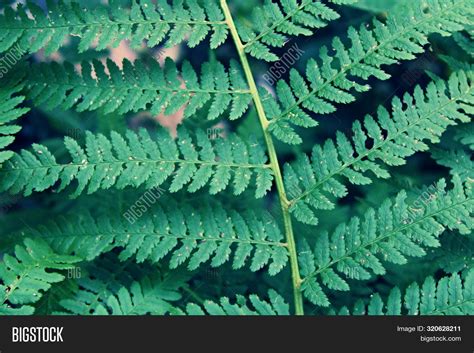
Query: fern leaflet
column 141, row 161
column 145, row 297
column 466, row 42
column 24, row 276
column 448, row 296
column 330, row 82
column 457, row 160
column 275, row 306
column 423, row 116
column 207, row 233
column 9, row 112
column 111, row 24
column 272, row 22
column 391, row 233
column 137, row 88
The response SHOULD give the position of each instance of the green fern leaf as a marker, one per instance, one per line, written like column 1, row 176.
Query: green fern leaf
column 141, row 298
column 275, row 306
column 272, row 22
column 137, row 88
column 9, row 112
column 142, row 20
column 466, row 42
column 330, row 82
column 312, row 182
column 449, row 296
column 457, row 160
column 49, row 302
column 141, row 160
column 24, row 276
column 390, row 234
column 196, row 235
column 465, row 135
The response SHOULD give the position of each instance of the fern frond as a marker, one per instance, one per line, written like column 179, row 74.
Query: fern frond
column 390, row 234
column 107, row 276
column 466, row 42
column 454, row 64
column 336, row 76
column 24, row 277
column 49, row 302
column 457, row 160
column 449, row 296
column 455, row 254
column 276, row 305
column 272, row 22
column 465, row 135
column 386, row 140
column 142, row 160
column 137, row 87
column 149, row 296
column 9, row 111
column 203, row 234
column 142, row 21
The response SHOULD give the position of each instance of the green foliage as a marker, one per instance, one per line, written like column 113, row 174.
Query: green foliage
column 392, row 138
column 124, row 201
column 25, row 277
column 185, row 233
column 343, row 70
column 8, row 113
column 271, row 24
column 147, row 297
column 141, row 160
column 108, row 285
column 465, row 135
column 466, row 41
column 137, row 88
column 449, row 296
column 378, row 5
column 457, row 160
column 141, row 21
column 395, row 231
column 456, row 252
column 276, row 306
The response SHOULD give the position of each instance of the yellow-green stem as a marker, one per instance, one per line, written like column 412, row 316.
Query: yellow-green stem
column 295, row 274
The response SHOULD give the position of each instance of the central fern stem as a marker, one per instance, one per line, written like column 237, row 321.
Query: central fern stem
column 290, row 239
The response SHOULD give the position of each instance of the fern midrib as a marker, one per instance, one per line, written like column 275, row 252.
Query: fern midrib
column 277, row 23
column 113, row 23
column 347, row 68
column 134, row 160
column 439, row 311
column 167, row 235
column 295, row 274
column 378, row 146
column 385, row 236
column 112, row 86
